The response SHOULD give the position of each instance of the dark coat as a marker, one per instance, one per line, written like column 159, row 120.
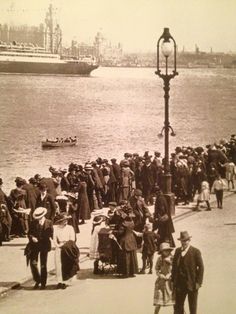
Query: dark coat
column 5, row 217
column 83, row 202
column 149, row 243
column 165, row 228
column 148, row 176
column 193, row 265
column 128, row 241
column 51, row 185
column 65, row 184
column 31, row 195
column 44, row 243
column 116, row 171
column 140, row 211
column 112, row 177
column 49, row 203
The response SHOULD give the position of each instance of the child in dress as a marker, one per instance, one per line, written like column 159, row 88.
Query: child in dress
column 163, row 292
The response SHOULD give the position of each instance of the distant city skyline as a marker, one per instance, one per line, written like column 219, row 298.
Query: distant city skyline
column 136, row 24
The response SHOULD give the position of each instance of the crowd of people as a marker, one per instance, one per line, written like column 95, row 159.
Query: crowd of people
column 54, row 207
column 94, row 185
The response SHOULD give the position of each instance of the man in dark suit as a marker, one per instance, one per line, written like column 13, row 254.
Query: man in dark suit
column 40, row 232
column 187, row 274
column 46, row 200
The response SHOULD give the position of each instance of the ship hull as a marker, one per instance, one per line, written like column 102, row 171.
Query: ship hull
column 80, row 68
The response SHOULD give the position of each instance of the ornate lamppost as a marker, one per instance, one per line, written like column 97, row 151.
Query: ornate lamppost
column 166, row 44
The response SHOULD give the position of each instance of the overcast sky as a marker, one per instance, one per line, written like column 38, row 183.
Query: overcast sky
column 137, row 24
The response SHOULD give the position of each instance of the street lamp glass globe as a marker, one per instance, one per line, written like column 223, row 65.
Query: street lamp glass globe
column 166, row 48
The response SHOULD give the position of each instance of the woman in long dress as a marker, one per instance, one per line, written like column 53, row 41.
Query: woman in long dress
column 163, row 292
column 127, row 260
column 98, row 224
column 66, row 251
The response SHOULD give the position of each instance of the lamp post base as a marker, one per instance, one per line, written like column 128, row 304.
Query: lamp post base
column 170, row 197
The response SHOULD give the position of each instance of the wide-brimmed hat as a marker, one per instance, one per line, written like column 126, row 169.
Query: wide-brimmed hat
column 39, row 212
column 62, row 217
column 98, row 219
column 165, row 246
column 72, row 195
column 184, row 236
column 62, row 197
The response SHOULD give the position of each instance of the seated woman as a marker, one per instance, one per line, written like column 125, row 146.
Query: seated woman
column 66, row 251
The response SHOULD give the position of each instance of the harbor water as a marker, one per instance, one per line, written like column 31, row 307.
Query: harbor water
column 113, row 111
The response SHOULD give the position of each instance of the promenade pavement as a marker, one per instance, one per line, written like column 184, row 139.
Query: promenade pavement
column 15, row 272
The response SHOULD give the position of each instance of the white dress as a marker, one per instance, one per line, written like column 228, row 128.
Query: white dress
column 61, row 234
column 205, row 192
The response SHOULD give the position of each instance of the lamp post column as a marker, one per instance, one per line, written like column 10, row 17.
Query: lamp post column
column 167, row 175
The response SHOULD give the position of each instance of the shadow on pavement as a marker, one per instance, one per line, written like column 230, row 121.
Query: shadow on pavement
column 30, row 288
column 84, row 274
column 6, row 284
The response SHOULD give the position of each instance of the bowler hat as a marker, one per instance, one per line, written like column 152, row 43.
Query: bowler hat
column 165, row 247
column 39, row 212
column 184, row 236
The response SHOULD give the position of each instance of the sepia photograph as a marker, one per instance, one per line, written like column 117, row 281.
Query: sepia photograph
column 117, row 156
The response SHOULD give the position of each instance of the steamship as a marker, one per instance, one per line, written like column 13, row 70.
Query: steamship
column 15, row 58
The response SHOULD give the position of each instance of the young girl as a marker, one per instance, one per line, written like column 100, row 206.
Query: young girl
column 218, row 188
column 163, row 294
column 204, row 196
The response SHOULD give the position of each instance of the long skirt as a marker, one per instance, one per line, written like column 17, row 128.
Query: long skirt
column 127, row 263
column 58, row 265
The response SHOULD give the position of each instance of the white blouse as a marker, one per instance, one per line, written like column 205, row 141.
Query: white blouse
column 63, row 234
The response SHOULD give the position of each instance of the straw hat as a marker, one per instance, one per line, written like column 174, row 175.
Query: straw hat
column 165, row 247
column 39, row 212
